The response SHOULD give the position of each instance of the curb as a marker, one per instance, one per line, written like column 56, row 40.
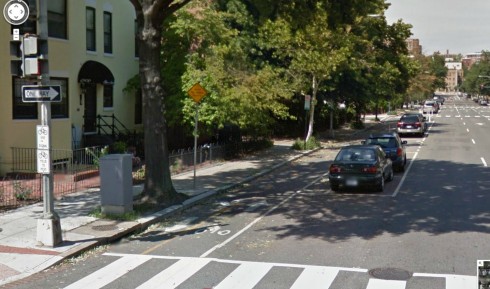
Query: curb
column 144, row 222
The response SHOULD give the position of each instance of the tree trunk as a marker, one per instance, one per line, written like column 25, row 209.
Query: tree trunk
column 158, row 182
column 314, row 87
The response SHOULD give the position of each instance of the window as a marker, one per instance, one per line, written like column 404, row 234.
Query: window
column 136, row 44
column 60, row 109
column 20, row 109
column 108, row 95
column 57, row 20
column 107, row 32
column 138, row 108
column 90, row 23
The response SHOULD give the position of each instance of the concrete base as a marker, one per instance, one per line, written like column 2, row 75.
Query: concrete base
column 116, row 210
column 49, row 232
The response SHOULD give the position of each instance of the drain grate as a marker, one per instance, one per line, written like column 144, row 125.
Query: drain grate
column 104, row 227
column 390, row 274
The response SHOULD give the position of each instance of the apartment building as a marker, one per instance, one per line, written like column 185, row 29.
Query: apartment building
column 454, row 75
column 92, row 55
column 413, row 46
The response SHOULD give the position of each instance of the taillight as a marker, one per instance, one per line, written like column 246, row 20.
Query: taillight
column 417, row 124
column 399, row 124
column 370, row 170
column 334, row 169
column 399, row 152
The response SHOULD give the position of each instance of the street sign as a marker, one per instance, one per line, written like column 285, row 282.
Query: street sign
column 43, row 162
column 38, row 93
column 42, row 134
column 197, row 92
column 307, row 102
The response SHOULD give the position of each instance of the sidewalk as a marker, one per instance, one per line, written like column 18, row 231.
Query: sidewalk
column 21, row 256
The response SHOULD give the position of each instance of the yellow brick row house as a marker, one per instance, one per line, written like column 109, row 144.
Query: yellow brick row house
column 92, row 55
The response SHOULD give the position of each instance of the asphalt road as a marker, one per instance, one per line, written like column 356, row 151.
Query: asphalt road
column 288, row 230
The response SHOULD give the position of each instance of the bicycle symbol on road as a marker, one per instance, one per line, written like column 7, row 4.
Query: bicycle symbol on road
column 213, row 230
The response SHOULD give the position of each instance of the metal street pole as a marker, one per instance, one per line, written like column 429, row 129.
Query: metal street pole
column 195, row 142
column 48, row 227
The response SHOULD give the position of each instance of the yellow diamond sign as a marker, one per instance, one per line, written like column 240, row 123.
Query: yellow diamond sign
column 197, row 92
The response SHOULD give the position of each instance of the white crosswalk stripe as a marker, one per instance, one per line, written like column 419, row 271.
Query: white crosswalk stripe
column 246, row 275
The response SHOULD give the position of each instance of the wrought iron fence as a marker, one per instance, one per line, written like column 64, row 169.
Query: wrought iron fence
column 78, row 170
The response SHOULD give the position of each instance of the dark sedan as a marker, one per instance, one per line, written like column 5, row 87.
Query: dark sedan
column 359, row 166
column 393, row 146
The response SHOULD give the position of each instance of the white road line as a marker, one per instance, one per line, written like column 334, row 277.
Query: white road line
column 207, row 253
column 404, row 175
column 473, row 141
column 386, row 284
column 468, row 130
column 245, row 276
column 109, row 273
column 483, row 161
column 176, row 274
column 453, row 281
column 316, row 278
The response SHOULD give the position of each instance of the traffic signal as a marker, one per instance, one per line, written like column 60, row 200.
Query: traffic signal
column 33, row 53
column 16, row 64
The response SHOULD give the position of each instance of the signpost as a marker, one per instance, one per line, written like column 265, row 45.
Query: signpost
column 197, row 93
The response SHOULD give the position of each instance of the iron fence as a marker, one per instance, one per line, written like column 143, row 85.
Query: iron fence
column 78, row 170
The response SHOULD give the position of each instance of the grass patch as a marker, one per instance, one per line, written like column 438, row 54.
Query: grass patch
column 312, row 143
column 138, row 211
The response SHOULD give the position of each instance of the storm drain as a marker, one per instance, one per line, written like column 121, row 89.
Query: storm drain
column 390, row 274
column 104, row 227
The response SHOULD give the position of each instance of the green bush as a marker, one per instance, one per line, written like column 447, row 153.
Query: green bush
column 357, row 125
column 312, row 143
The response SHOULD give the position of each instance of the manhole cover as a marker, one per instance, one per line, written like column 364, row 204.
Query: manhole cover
column 390, row 274
column 104, row 227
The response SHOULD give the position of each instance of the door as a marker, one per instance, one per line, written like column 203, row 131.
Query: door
column 90, row 110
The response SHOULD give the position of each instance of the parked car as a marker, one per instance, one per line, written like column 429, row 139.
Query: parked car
column 412, row 123
column 358, row 166
column 483, row 102
column 393, row 146
column 439, row 98
column 430, row 106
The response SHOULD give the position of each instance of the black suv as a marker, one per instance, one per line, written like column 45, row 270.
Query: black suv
column 392, row 145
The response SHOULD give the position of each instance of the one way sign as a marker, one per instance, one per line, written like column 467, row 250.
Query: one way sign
column 37, row 93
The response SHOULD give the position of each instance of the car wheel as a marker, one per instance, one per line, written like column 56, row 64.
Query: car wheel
column 390, row 176
column 334, row 188
column 381, row 186
column 401, row 168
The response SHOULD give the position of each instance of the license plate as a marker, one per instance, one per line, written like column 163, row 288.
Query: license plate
column 351, row 183
column 409, row 126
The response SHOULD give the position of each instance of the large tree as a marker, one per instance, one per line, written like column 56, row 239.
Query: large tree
column 150, row 17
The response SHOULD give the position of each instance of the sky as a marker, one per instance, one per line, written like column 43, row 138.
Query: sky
column 456, row 25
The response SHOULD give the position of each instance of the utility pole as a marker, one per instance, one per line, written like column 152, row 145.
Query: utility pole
column 48, row 227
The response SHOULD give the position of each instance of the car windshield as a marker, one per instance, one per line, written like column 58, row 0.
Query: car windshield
column 384, row 142
column 356, row 155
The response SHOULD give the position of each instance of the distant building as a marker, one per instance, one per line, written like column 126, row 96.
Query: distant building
column 454, row 75
column 414, row 47
column 470, row 59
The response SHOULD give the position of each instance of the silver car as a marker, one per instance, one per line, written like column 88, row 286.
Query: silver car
column 430, row 106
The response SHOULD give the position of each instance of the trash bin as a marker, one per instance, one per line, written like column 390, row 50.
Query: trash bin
column 116, row 183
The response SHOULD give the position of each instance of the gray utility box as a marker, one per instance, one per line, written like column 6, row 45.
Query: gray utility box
column 116, row 183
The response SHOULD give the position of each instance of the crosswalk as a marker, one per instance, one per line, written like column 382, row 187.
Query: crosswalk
column 181, row 273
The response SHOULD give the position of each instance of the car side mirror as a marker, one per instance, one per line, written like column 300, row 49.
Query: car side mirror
column 424, row 118
column 404, row 142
